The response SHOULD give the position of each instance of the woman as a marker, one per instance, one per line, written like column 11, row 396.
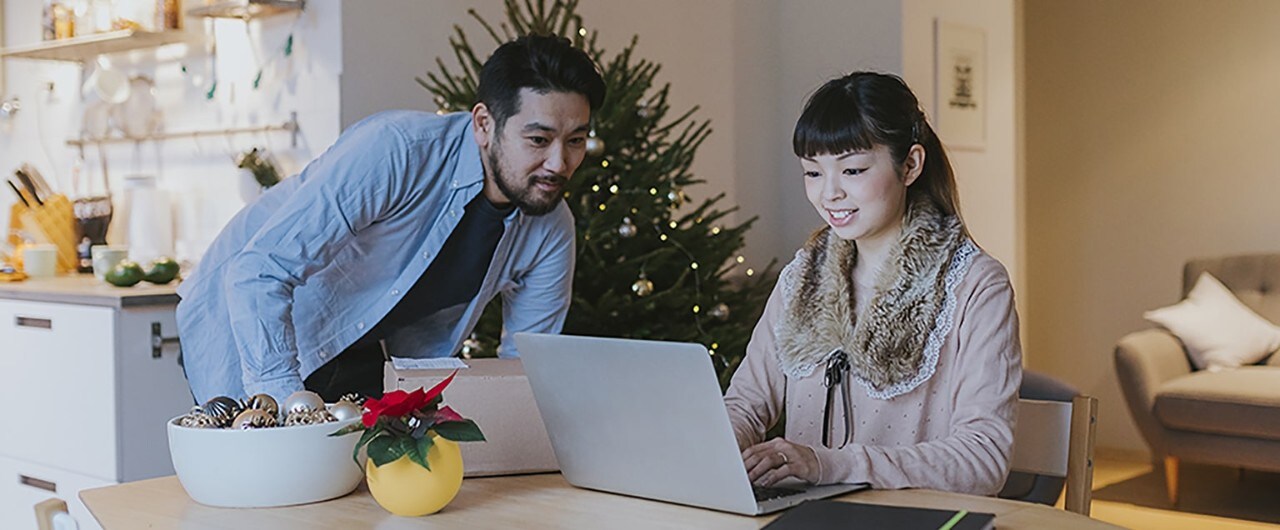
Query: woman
column 891, row 339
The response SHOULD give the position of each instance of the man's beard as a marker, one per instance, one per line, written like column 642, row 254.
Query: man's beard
column 527, row 198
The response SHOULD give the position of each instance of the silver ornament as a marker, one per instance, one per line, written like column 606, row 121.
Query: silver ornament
column 197, row 419
column 720, row 311
column 627, row 229
column 345, row 410
column 642, row 287
column 223, row 409
column 303, row 400
column 595, row 146
column 263, row 402
column 253, row 419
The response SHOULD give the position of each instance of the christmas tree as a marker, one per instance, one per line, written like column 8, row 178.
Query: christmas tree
column 650, row 264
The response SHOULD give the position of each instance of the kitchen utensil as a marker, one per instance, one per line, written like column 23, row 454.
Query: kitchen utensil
column 50, row 222
column 110, row 85
column 28, row 185
column 93, row 211
column 97, row 119
column 40, row 261
column 148, row 219
column 18, row 192
column 138, row 116
column 106, row 257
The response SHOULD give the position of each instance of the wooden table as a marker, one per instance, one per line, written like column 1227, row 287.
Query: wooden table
column 525, row 501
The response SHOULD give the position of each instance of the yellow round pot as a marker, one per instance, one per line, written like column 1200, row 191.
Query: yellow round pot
column 405, row 488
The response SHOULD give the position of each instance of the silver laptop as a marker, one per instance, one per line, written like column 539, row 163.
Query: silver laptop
column 646, row 419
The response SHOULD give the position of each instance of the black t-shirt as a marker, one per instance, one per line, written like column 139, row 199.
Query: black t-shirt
column 455, row 275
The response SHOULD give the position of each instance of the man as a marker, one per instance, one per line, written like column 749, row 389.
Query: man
column 395, row 239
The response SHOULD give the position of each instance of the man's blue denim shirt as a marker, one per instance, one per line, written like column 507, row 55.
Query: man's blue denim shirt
column 319, row 259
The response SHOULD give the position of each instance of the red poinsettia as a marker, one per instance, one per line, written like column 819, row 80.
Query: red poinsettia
column 402, row 423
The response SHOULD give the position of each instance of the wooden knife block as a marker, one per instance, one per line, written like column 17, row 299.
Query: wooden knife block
column 54, row 222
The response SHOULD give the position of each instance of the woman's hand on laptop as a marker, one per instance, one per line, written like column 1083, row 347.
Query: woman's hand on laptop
column 770, row 462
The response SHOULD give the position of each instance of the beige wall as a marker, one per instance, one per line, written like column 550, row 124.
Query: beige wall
column 988, row 178
column 747, row 63
column 1151, row 132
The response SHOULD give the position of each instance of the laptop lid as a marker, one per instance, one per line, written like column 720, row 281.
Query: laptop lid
column 641, row 418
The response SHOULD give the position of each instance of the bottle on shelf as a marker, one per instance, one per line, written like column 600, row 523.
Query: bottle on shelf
column 64, row 21
column 168, row 15
column 48, row 31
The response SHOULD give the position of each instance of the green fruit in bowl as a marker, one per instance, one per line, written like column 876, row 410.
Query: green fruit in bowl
column 161, row 271
column 124, row 274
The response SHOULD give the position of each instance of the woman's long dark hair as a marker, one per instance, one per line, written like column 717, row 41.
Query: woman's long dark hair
column 864, row 109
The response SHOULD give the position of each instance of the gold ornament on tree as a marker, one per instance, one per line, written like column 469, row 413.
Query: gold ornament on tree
column 720, row 311
column 643, row 287
column 677, row 197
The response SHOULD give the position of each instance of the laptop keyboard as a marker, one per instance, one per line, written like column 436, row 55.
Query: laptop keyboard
column 764, row 493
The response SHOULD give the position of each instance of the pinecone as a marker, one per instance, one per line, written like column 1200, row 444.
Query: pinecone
column 197, row 419
column 309, row 417
column 353, row 398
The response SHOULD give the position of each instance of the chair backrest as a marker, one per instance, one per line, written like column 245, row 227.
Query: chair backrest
column 1253, row 278
column 1055, row 438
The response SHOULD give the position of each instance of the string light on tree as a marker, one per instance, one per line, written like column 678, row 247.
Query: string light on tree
column 644, row 144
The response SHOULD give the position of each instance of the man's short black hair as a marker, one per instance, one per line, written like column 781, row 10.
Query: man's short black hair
column 544, row 63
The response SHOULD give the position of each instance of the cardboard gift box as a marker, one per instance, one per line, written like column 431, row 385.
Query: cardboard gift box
column 496, row 394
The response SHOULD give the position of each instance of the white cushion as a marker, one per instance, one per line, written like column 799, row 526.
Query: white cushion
column 1218, row 330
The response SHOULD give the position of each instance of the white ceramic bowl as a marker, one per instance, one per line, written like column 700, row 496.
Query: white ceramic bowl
column 257, row 468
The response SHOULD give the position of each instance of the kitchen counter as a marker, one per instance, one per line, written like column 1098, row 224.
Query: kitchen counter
column 85, row 289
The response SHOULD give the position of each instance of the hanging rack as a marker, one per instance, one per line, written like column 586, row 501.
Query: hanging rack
column 290, row 126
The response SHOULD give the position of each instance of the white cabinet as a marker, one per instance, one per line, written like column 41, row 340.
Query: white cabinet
column 86, row 399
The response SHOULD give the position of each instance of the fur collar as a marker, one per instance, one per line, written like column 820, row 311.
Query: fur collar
column 885, row 344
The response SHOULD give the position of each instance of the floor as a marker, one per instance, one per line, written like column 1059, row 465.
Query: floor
column 1126, row 475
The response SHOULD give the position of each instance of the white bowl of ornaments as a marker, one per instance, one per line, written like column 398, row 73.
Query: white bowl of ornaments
column 255, row 454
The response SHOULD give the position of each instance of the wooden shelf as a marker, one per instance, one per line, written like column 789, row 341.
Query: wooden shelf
column 290, row 127
column 247, row 9
column 81, row 49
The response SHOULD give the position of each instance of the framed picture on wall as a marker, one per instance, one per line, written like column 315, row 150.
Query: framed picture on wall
column 960, row 78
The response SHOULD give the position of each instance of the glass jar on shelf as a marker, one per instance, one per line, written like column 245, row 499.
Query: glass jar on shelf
column 168, row 15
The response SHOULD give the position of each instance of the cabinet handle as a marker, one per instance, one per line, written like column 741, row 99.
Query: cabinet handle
column 159, row 341
column 38, row 483
column 32, row 322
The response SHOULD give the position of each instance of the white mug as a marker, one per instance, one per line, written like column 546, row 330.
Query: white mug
column 106, row 257
column 40, row 261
